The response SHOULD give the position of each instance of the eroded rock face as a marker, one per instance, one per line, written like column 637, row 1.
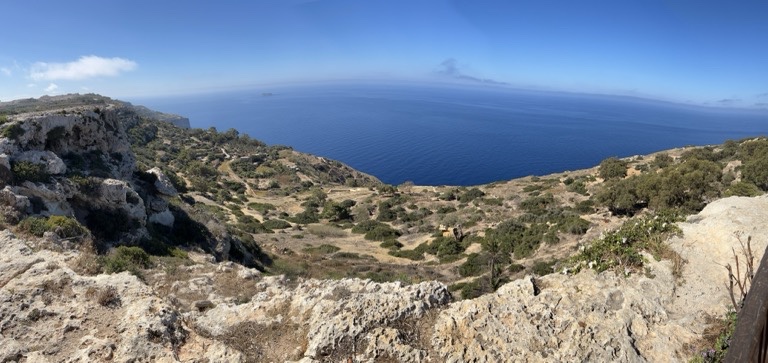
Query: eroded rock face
column 79, row 133
column 118, row 194
column 92, row 145
column 587, row 317
column 49, row 313
column 53, row 164
column 605, row 317
column 333, row 319
column 163, row 184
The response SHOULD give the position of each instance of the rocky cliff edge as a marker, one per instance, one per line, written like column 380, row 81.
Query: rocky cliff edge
column 51, row 313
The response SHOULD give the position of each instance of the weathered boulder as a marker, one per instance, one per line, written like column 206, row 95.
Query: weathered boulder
column 53, row 196
column 118, row 194
column 18, row 202
column 52, row 162
column 6, row 175
column 158, row 204
column 163, row 183
column 164, row 218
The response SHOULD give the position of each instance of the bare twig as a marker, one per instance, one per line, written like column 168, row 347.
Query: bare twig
column 743, row 283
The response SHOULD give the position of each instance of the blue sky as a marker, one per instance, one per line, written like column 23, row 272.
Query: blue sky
column 705, row 52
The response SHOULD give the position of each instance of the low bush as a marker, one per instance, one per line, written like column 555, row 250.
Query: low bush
column 324, row 231
column 124, row 258
column 743, row 189
column 276, row 224
column 375, row 230
column 613, row 168
column 29, row 171
column 471, row 195
column 391, row 244
column 414, row 255
column 324, row 249
column 13, row 131
column 542, row 268
column 64, row 227
column 476, row 264
column 262, row 208
column 620, row 249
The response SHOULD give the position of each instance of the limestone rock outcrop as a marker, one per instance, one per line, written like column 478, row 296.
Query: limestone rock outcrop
column 163, row 184
column 50, row 313
column 605, row 317
column 332, row 320
column 652, row 316
column 89, row 169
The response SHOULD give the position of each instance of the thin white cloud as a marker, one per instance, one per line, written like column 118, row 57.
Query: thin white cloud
column 31, row 85
column 51, row 87
column 6, row 71
column 85, row 67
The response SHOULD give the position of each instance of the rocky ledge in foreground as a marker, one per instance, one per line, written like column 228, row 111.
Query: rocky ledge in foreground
column 50, row 313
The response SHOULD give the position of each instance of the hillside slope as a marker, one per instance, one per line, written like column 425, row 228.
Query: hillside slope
column 597, row 317
column 218, row 238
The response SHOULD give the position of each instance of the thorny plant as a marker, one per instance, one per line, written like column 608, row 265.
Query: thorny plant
column 742, row 282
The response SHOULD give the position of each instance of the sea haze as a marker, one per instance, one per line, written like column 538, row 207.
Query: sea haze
column 450, row 135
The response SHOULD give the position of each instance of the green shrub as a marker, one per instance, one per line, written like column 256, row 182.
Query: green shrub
column 585, row 207
column 578, row 187
column 64, row 227
column 662, row 161
column 391, row 244
column 471, row 195
column 476, row 264
column 621, row 248
column 87, row 185
column 755, row 171
column 123, row 258
column 743, row 189
column 306, row 217
column 262, row 208
column 539, row 205
column 382, row 233
column 13, row 131
column 445, row 209
column 685, row 186
column 414, row 255
column 29, row 171
column 476, row 288
column 366, row 226
column 542, row 268
column 34, row 225
column 447, row 246
column 338, row 211
column 613, row 168
column 574, row 225
column 276, row 224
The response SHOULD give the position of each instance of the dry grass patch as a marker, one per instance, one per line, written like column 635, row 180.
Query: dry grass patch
column 326, row 231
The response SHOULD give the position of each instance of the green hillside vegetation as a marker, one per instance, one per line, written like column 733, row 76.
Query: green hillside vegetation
column 307, row 216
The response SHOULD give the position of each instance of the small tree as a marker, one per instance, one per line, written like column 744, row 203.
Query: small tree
column 613, row 168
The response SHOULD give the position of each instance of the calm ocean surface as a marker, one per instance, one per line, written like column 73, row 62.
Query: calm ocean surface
column 443, row 135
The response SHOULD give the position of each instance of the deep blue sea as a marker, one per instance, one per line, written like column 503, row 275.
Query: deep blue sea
column 450, row 135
